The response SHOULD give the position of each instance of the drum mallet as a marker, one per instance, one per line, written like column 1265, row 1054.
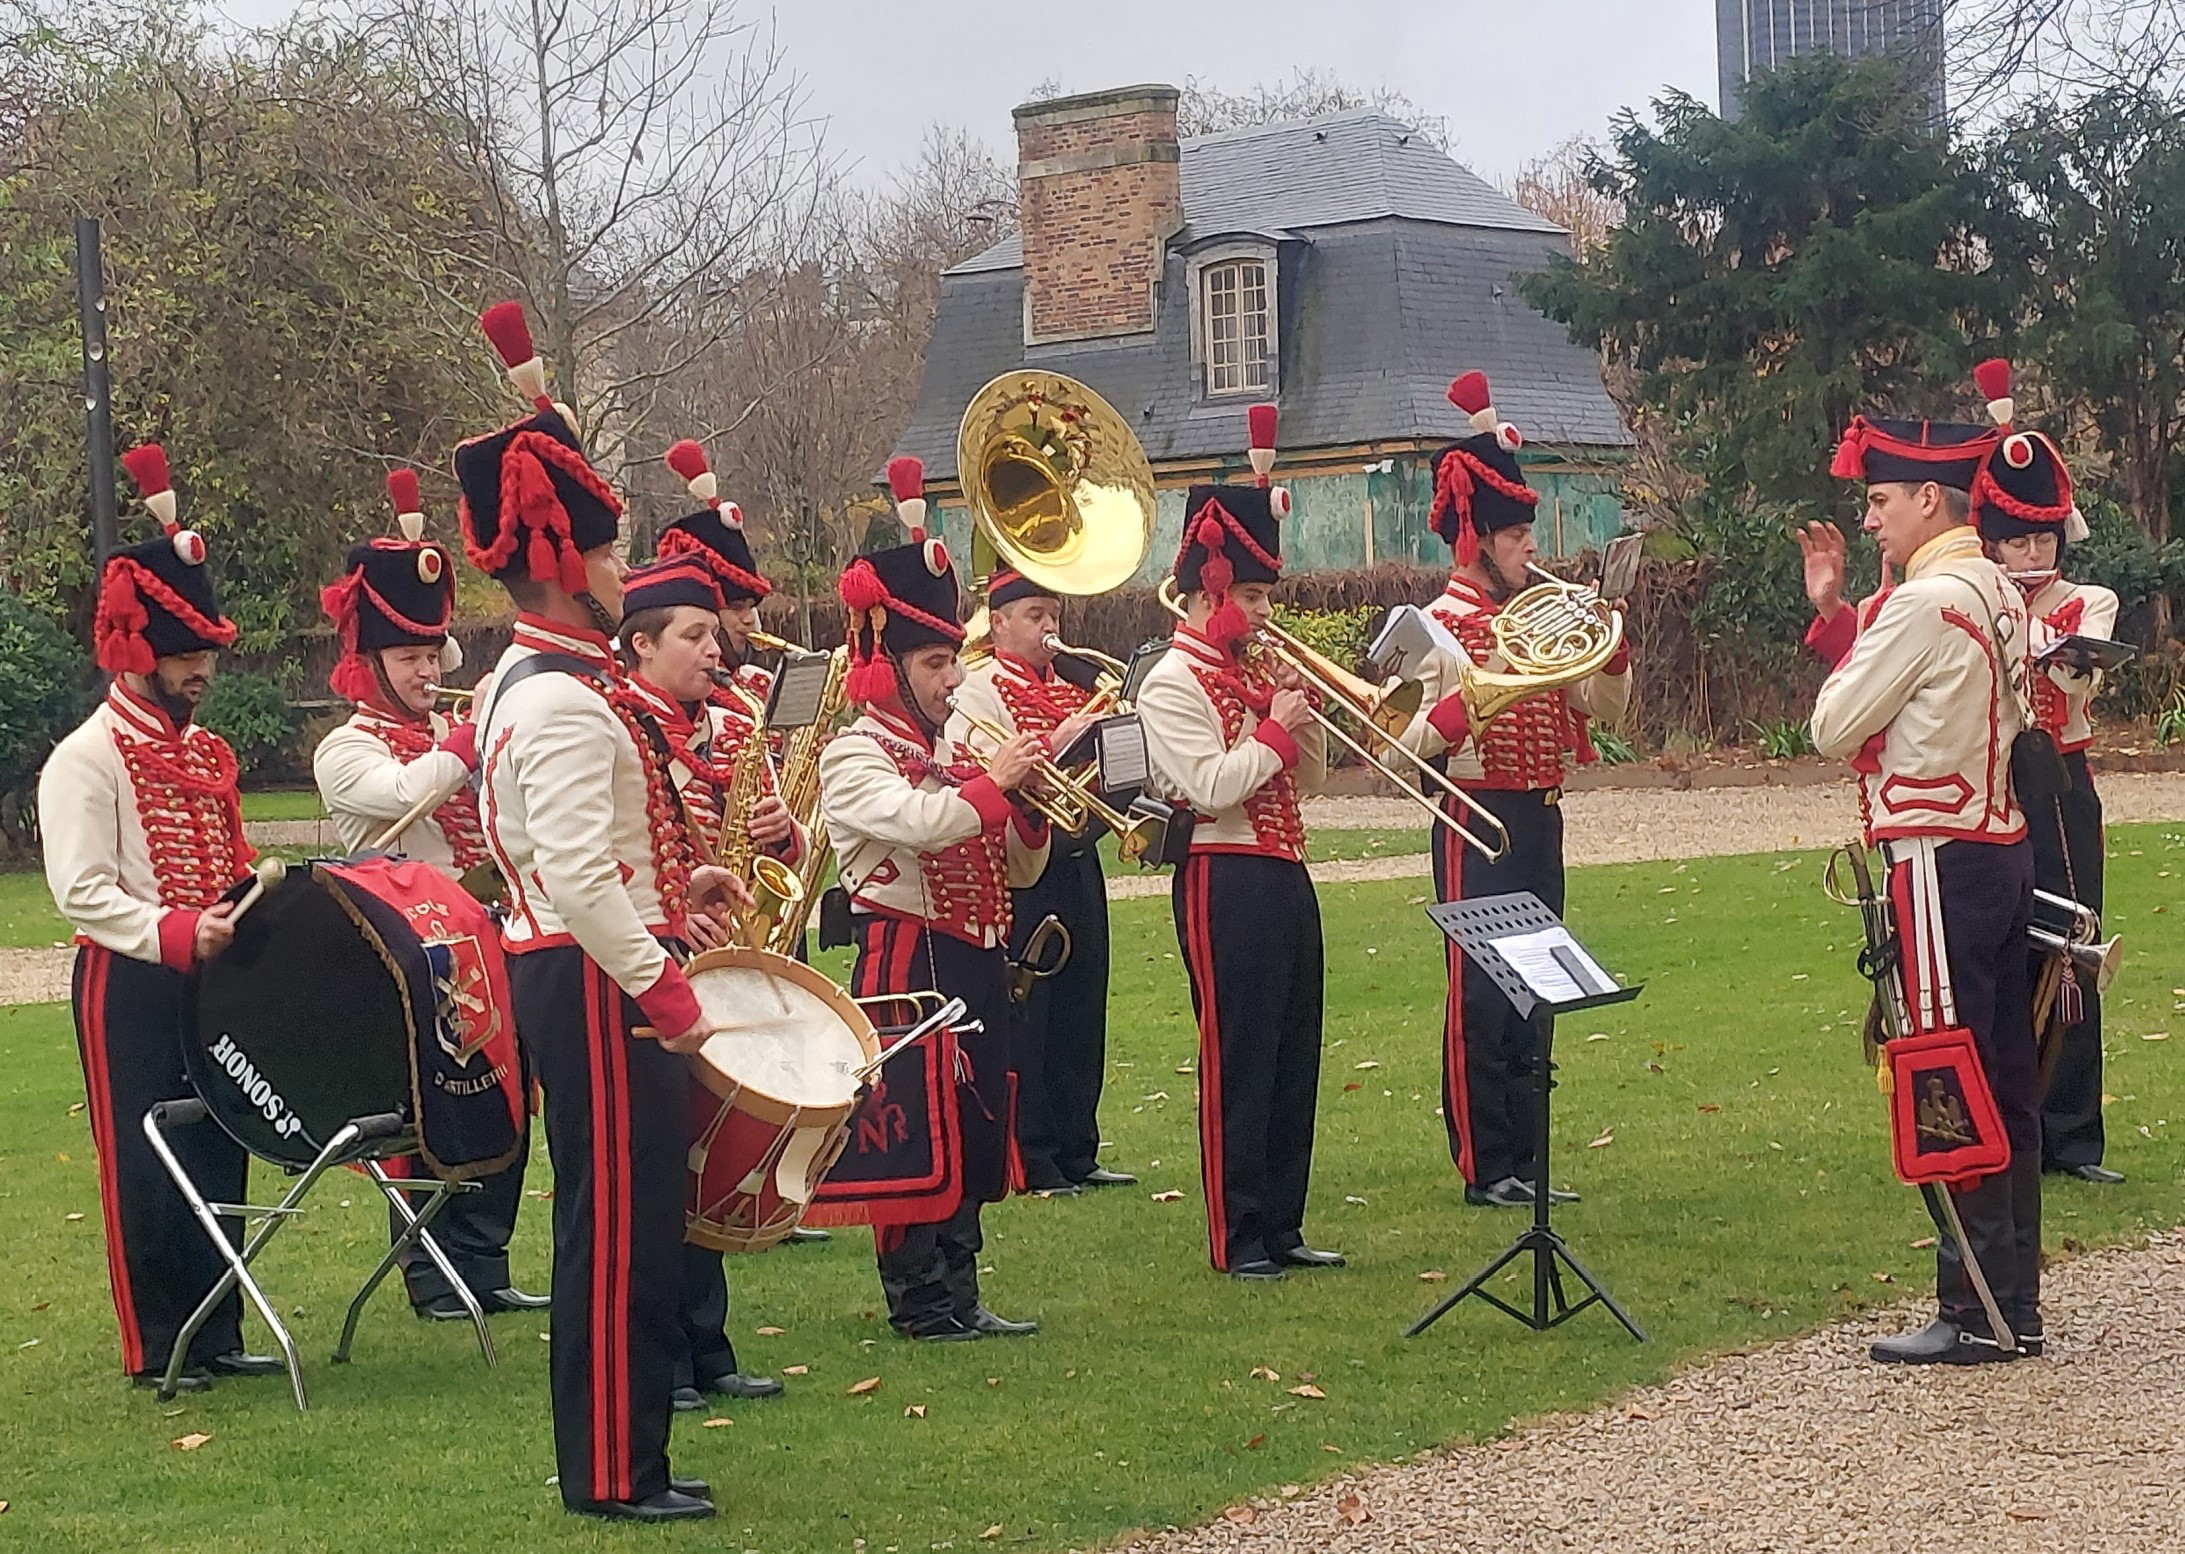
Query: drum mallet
column 270, row 872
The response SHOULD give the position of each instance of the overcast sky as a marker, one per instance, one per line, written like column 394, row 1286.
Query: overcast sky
column 1512, row 79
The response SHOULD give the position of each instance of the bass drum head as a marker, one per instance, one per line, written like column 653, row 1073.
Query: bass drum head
column 301, row 1024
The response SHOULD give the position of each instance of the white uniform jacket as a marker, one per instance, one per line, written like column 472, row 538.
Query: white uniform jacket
column 367, row 783
column 1924, row 705
column 1241, row 773
column 2063, row 695
column 1532, row 744
column 564, row 799
column 920, row 836
column 131, row 854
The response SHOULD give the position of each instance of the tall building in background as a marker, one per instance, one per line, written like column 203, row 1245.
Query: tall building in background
column 1753, row 35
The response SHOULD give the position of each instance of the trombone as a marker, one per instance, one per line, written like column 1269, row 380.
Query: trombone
column 1107, row 686
column 1387, row 713
column 1068, row 799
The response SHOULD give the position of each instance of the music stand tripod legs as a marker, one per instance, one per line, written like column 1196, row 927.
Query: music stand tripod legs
column 1551, row 1305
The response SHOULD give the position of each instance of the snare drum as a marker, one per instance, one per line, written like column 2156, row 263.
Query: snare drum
column 779, row 1082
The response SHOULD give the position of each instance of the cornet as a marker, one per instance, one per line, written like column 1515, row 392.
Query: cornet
column 453, row 695
column 1068, row 799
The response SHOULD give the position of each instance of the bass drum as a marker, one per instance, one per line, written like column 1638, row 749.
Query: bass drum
column 357, row 987
column 779, row 1081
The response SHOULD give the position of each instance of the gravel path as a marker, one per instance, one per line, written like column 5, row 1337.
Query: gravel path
column 35, row 976
column 1808, row 1446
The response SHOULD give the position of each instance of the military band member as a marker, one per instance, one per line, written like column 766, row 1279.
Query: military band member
column 391, row 608
column 671, row 649
column 1926, row 705
column 2022, row 504
column 143, row 832
column 1514, row 767
column 1234, row 738
column 582, row 816
column 1062, row 1057
column 930, row 845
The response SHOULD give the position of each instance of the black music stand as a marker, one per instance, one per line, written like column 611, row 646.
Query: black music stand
column 1550, row 983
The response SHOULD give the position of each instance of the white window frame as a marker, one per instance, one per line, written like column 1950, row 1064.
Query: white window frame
column 1203, row 268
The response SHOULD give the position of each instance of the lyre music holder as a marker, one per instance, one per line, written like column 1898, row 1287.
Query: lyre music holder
column 1543, row 971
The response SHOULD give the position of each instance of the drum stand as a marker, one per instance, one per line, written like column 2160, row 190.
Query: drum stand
column 352, row 1144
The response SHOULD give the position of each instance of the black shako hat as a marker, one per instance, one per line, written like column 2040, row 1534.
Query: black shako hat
column 900, row 599
column 156, row 598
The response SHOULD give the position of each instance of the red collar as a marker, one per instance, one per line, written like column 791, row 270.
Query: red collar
column 144, row 717
column 1465, row 591
column 899, row 725
column 1023, row 669
column 541, row 635
column 1202, row 647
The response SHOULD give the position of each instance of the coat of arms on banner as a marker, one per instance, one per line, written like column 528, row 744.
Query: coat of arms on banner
column 466, row 1016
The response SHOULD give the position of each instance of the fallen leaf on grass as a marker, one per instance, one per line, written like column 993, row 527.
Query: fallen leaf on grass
column 914, row 1411
column 1369, row 1063
column 1262, row 1373
column 990, row 1533
column 1923, row 1243
column 72, row 1218
column 1353, row 1085
column 1308, row 1390
column 1171, row 1196
column 1884, row 1278
column 1255, row 1443
column 718, row 1422
column 993, row 1381
column 2153, row 1036
column 859, row 1388
column 1432, row 1276
column 2026, row 1513
column 1242, row 1515
column 796, row 1370
column 1608, row 1137
column 73, row 1110
column 772, row 1332
column 1709, row 1107
column 1353, row 1198
column 1331, row 1446
column 1353, row 1510
column 192, row 1441
column 1598, row 1036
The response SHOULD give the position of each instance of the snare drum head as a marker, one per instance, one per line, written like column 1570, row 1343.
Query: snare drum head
column 301, row 1025
column 784, row 1030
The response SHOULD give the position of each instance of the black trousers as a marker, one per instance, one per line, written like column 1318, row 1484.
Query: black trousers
column 132, row 1019
column 1488, row 1052
column 2070, row 827
column 1063, row 1054
column 930, row 1272
column 1249, row 927
column 617, row 1129
column 1986, row 892
column 474, row 1230
column 706, row 1354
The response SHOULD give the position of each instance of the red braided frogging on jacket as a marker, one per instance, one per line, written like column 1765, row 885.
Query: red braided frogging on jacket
column 458, row 818
column 191, row 808
column 674, row 854
column 1278, row 822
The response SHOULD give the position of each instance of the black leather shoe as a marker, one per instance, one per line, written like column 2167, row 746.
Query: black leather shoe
column 191, row 1380
column 945, row 1331
column 696, row 1488
column 1101, row 1176
column 667, row 1506
column 687, row 1400
column 1302, row 1256
column 1509, row 1193
column 806, row 1235
column 1258, row 1268
column 509, row 1298
column 2099, row 1175
column 985, row 1322
column 1940, row 1342
column 735, row 1385
column 237, row 1363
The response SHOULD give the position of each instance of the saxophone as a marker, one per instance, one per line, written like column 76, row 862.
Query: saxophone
column 797, row 783
column 777, row 893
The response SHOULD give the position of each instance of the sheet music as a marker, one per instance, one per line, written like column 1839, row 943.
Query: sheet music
column 1123, row 761
column 1554, row 965
column 799, row 685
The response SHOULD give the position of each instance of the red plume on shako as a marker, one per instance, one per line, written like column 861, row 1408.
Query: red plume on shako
column 907, row 480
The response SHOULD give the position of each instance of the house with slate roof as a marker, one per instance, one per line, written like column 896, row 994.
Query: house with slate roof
column 1340, row 267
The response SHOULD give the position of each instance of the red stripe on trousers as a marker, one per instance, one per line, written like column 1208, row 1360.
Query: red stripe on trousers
column 99, row 1083
column 1199, row 956
column 603, row 1368
column 1456, row 1083
column 618, row 1065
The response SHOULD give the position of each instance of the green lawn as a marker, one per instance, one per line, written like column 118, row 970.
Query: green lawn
column 27, row 918
column 1327, row 845
column 283, row 804
column 1740, row 1193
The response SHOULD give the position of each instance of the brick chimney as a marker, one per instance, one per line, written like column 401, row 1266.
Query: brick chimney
column 1099, row 195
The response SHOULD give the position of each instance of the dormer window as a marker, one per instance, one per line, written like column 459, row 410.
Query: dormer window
column 1233, row 319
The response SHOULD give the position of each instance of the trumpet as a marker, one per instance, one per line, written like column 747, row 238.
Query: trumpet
column 2070, row 931
column 1387, row 713
column 453, row 695
column 1068, row 799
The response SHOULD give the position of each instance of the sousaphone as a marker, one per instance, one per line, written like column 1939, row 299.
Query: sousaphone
column 1058, row 486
